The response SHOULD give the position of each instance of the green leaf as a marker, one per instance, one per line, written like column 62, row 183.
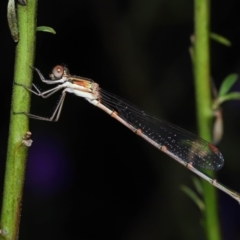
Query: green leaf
column 191, row 194
column 46, row 29
column 198, row 185
column 229, row 96
column 220, row 39
column 227, row 84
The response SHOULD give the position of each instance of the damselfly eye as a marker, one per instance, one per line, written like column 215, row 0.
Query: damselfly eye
column 57, row 72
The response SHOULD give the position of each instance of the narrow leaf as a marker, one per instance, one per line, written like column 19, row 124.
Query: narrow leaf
column 191, row 194
column 227, row 84
column 220, row 39
column 46, row 29
column 229, row 96
column 198, row 185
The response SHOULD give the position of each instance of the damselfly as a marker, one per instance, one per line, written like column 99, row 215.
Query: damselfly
column 186, row 148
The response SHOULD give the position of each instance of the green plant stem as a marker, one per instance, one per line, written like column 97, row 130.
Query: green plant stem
column 16, row 152
column 203, row 104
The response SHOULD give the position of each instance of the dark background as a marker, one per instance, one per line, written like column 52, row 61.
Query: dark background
column 87, row 175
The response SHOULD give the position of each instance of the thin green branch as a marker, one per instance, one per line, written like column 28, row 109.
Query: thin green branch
column 17, row 152
column 203, row 104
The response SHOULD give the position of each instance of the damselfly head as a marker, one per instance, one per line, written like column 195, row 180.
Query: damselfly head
column 58, row 72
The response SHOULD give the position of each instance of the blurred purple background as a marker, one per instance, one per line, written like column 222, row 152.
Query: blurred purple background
column 90, row 177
